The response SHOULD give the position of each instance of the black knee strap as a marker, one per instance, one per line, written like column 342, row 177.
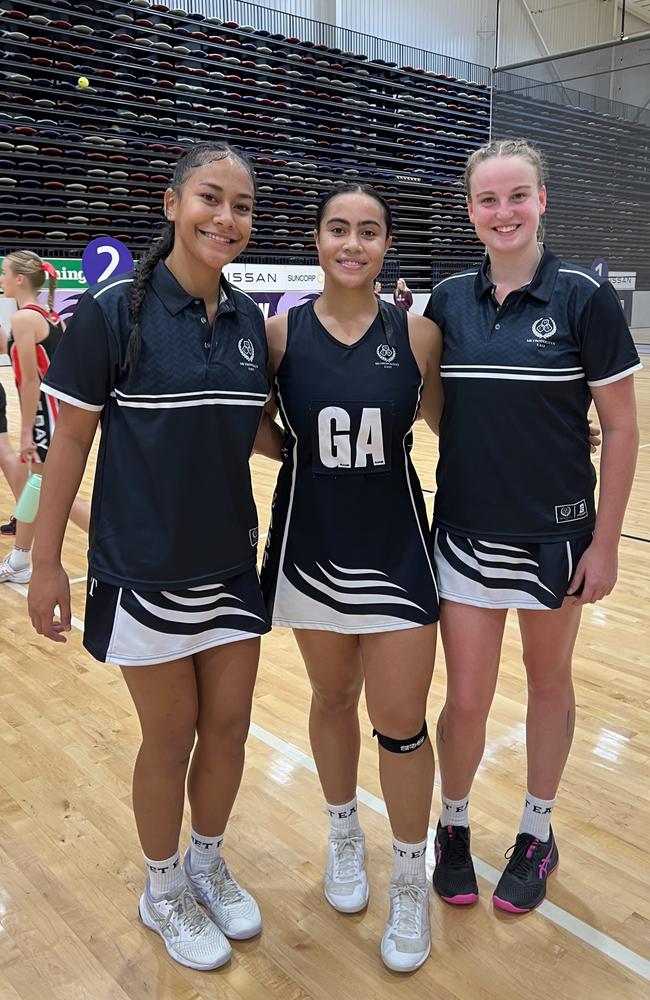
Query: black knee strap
column 402, row 746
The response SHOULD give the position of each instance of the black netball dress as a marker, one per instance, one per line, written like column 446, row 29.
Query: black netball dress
column 348, row 546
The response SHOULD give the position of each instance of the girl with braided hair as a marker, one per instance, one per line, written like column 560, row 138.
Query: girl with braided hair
column 35, row 335
column 173, row 361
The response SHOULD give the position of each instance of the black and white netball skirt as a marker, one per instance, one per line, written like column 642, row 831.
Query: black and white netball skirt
column 504, row 575
column 137, row 628
column 369, row 571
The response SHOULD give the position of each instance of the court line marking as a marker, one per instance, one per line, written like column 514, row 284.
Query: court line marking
column 589, row 935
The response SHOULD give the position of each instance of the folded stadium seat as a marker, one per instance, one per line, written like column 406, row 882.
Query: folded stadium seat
column 82, row 29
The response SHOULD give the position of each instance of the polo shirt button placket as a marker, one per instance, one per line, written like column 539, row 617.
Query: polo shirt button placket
column 207, row 344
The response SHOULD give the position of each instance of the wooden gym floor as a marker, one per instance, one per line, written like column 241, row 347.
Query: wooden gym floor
column 70, row 864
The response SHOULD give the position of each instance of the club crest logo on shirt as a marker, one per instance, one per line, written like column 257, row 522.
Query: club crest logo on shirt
column 247, row 350
column 571, row 511
column 544, row 328
column 386, row 355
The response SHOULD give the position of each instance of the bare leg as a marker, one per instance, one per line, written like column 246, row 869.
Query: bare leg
column 10, row 464
column 333, row 663
column 225, row 677
column 548, row 639
column 165, row 697
column 398, row 668
column 472, row 640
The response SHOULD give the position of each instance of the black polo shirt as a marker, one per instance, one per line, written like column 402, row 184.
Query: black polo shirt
column 172, row 500
column 514, row 440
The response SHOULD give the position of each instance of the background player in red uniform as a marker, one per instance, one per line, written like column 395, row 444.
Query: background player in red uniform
column 35, row 335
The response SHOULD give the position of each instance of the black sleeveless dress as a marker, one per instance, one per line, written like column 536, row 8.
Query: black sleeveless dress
column 348, row 547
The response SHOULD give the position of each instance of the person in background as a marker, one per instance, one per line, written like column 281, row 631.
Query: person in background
column 9, row 461
column 402, row 296
column 36, row 333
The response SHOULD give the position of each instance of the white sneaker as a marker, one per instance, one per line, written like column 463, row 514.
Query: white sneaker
column 10, row 575
column 232, row 908
column 345, row 883
column 406, row 943
column 190, row 937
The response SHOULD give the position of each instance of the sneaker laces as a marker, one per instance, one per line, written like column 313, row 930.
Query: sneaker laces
column 347, row 858
column 458, row 849
column 520, row 855
column 408, row 898
column 224, row 885
column 187, row 911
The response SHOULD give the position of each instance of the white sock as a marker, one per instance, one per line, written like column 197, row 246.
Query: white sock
column 455, row 812
column 19, row 558
column 165, row 877
column 204, row 851
column 409, row 859
column 344, row 818
column 536, row 817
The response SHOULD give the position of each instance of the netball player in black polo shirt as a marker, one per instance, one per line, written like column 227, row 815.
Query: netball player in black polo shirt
column 175, row 361
column 528, row 342
column 347, row 563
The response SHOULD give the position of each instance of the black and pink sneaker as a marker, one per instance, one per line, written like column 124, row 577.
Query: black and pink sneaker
column 8, row 529
column 453, row 877
column 522, row 886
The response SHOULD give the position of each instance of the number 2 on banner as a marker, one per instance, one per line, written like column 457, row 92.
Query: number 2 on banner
column 94, row 263
column 114, row 261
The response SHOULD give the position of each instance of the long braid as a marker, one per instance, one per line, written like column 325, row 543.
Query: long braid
column 160, row 249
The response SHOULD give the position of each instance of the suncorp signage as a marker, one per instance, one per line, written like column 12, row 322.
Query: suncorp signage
column 274, row 278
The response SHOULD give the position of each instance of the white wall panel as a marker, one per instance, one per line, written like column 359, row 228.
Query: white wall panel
column 531, row 28
column 316, row 10
column 464, row 29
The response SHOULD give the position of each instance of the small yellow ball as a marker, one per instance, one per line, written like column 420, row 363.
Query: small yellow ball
column 83, row 82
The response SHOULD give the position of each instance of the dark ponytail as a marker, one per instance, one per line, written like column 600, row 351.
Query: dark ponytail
column 197, row 155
